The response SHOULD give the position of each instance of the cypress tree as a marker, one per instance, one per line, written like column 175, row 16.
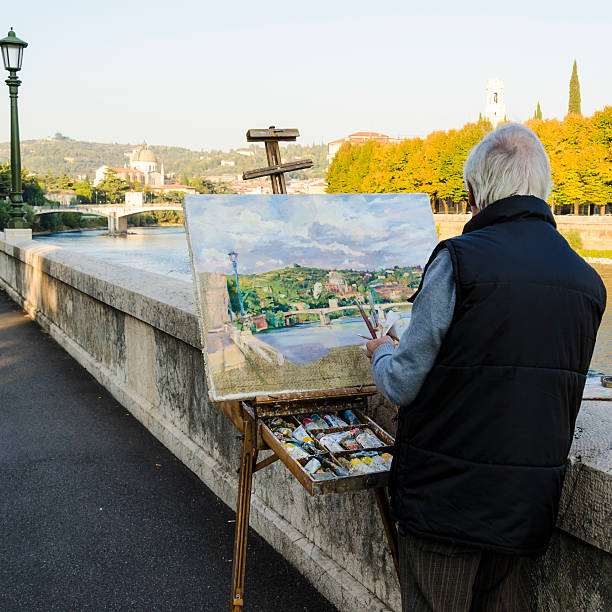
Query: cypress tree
column 538, row 113
column 479, row 117
column 574, row 93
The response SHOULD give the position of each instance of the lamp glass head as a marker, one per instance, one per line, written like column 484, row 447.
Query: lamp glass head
column 12, row 51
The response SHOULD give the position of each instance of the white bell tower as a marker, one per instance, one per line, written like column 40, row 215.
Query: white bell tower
column 495, row 109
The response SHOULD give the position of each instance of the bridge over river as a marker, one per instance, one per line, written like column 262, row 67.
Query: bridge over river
column 116, row 214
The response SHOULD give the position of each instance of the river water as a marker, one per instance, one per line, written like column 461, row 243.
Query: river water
column 164, row 251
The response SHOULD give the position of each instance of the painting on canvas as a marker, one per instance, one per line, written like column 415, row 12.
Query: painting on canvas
column 278, row 279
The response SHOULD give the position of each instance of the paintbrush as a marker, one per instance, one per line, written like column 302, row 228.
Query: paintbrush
column 364, row 316
column 373, row 313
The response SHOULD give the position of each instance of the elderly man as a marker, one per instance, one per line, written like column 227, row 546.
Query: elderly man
column 489, row 379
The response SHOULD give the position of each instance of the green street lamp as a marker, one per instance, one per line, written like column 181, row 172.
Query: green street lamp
column 12, row 54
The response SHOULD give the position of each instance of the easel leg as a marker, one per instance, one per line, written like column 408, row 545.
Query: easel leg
column 243, row 508
column 382, row 500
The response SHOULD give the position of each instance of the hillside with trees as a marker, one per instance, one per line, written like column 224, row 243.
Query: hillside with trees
column 579, row 148
column 277, row 292
column 59, row 154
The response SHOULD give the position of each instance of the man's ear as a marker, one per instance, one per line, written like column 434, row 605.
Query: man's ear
column 471, row 199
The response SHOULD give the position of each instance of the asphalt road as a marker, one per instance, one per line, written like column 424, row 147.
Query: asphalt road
column 95, row 514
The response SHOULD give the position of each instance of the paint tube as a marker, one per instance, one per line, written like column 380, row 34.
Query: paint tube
column 338, row 470
column 300, row 434
column 319, row 422
column 349, row 443
column 330, row 442
column 324, row 475
column 351, row 417
column 368, row 440
column 282, row 432
column 360, row 466
column 329, row 419
column 313, row 465
column 339, row 421
column 346, row 464
column 295, row 450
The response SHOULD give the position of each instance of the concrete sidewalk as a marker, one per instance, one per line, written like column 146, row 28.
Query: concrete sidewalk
column 95, row 514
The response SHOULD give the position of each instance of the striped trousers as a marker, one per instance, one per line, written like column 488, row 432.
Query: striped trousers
column 444, row 577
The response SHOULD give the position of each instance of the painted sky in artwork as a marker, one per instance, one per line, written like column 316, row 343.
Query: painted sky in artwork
column 331, row 231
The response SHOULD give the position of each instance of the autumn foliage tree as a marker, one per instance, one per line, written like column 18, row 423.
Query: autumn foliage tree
column 579, row 148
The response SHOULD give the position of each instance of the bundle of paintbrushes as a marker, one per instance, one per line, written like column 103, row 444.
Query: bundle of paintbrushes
column 379, row 322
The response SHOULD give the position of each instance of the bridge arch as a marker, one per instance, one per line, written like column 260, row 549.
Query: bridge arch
column 116, row 214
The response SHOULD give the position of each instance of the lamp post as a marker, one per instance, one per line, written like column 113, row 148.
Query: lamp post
column 234, row 259
column 12, row 53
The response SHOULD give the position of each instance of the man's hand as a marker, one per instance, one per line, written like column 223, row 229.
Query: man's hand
column 372, row 345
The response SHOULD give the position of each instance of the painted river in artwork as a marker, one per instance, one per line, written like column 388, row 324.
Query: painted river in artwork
column 164, row 251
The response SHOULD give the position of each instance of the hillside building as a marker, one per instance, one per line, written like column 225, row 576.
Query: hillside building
column 144, row 168
column 357, row 138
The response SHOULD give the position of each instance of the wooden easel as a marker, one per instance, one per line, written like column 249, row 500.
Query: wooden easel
column 276, row 170
column 246, row 416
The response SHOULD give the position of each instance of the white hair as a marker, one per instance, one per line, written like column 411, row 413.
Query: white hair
column 508, row 161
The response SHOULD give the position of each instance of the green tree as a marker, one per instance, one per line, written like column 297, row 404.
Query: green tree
column 112, row 186
column 63, row 182
column 574, row 106
column 5, row 181
column 4, row 213
column 84, row 191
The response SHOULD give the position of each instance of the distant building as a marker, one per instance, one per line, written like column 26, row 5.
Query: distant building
column 495, row 110
column 127, row 174
column 143, row 159
column 64, row 197
column 228, row 162
column 306, row 186
column 143, row 169
column 357, row 138
column 337, row 285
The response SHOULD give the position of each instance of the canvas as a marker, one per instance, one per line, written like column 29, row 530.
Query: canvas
column 278, row 277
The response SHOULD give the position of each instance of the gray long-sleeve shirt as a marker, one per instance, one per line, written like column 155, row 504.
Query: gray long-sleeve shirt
column 399, row 373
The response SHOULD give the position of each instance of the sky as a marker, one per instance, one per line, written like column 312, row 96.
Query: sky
column 332, row 231
column 199, row 74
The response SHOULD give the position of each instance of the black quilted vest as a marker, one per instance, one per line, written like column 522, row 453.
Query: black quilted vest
column 480, row 453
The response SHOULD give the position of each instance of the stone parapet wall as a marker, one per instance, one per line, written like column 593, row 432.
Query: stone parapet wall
column 595, row 231
column 137, row 333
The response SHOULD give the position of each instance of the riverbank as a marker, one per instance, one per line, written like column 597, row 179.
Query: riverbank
column 101, row 227
column 65, row 231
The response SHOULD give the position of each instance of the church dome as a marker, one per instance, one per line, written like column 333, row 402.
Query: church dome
column 144, row 154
